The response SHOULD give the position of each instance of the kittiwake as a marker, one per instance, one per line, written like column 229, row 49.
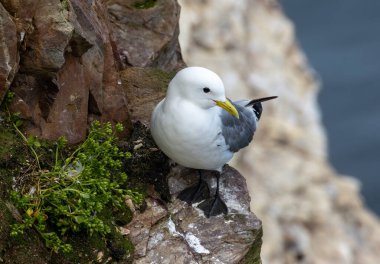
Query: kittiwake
column 196, row 126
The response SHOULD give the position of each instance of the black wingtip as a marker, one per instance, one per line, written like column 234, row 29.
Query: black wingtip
column 259, row 100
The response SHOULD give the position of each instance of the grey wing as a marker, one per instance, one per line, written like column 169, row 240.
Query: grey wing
column 238, row 133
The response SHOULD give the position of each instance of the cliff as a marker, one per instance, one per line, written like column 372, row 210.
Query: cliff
column 71, row 62
column 310, row 213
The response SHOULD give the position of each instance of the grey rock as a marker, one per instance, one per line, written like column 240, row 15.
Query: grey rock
column 8, row 51
column 146, row 36
column 184, row 235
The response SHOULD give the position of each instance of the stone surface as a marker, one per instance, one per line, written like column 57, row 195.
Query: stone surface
column 146, row 33
column 310, row 214
column 144, row 88
column 70, row 56
column 106, row 97
column 52, row 32
column 68, row 74
column 8, row 51
column 180, row 233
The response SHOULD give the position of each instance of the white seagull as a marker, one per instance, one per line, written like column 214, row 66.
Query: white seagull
column 196, row 126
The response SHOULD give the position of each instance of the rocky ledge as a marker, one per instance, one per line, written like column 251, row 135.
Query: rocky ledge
column 170, row 230
column 180, row 233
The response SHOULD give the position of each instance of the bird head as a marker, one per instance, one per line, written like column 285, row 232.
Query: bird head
column 201, row 87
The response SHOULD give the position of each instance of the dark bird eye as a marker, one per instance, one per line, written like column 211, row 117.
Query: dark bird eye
column 206, row 90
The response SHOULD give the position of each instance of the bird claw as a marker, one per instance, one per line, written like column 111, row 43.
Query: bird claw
column 195, row 193
column 213, row 206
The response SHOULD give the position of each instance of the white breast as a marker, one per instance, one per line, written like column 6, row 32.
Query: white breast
column 190, row 136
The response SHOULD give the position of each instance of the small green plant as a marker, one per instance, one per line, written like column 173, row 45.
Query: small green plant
column 145, row 4
column 70, row 196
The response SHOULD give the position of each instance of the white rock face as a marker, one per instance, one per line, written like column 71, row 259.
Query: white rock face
column 309, row 213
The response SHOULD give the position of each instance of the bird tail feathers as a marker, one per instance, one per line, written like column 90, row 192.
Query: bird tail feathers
column 259, row 100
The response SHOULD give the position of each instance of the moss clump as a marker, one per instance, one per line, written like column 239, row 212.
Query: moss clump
column 7, row 139
column 65, row 5
column 70, row 196
column 120, row 248
column 148, row 165
column 12, row 156
column 27, row 248
column 145, row 4
column 97, row 248
column 5, row 220
column 122, row 215
column 253, row 255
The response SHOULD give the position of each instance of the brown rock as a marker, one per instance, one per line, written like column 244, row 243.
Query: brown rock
column 52, row 33
column 144, row 88
column 68, row 54
column 68, row 74
column 68, row 112
column 146, row 34
column 142, row 223
column 8, row 51
column 107, row 98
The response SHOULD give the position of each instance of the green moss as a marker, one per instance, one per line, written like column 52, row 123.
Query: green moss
column 147, row 166
column 13, row 159
column 120, row 247
column 65, row 5
column 5, row 221
column 99, row 249
column 253, row 255
column 11, row 147
column 85, row 249
column 123, row 216
column 161, row 75
column 27, row 248
column 13, row 153
column 7, row 142
column 145, row 4
column 147, row 79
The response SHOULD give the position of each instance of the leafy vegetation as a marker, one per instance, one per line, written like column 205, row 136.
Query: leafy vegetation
column 72, row 193
column 145, row 4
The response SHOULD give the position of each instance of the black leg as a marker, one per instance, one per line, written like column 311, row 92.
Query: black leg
column 195, row 193
column 214, row 206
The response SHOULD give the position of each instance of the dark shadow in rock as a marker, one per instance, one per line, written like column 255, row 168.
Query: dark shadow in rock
column 148, row 164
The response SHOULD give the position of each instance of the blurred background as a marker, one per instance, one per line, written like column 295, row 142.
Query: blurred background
column 320, row 136
column 341, row 39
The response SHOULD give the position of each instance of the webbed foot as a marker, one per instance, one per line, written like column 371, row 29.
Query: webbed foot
column 213, row 207
column 195, row 193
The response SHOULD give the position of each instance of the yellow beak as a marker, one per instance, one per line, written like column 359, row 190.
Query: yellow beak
column 226, row 105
